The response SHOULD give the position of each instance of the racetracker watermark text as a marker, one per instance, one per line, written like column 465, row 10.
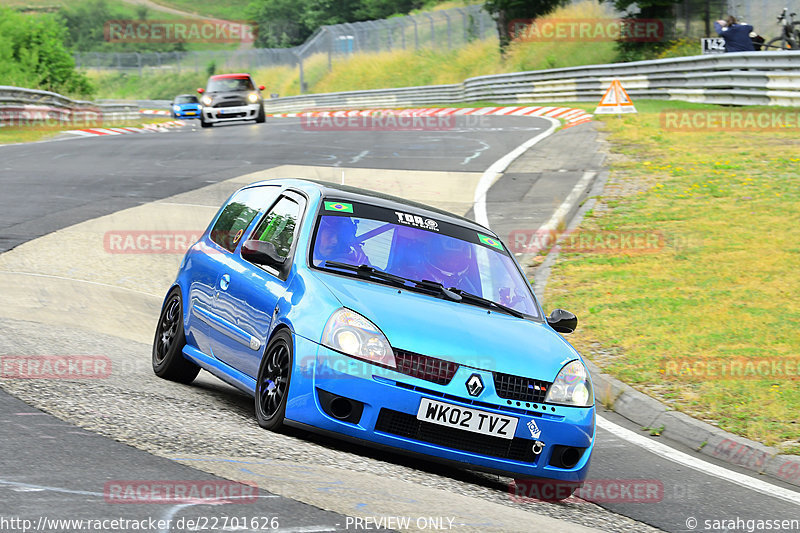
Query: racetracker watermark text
column 171, row 492
column 683, row 120
column 149, row 241
column 179, row 31
column 592, row 490
column 387, row 120
column 586, row 30
column 530, row 241
column 731, row 368
column 54, row 366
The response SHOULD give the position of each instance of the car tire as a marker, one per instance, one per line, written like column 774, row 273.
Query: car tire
column 168, row 360
column 261, row 117
column 203, row 123
column 274, row 377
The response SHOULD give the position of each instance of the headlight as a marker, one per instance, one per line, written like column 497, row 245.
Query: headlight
column 176, row 107
column 207, row 100
column 253, row 97
column 572, row 386
column 352, row 334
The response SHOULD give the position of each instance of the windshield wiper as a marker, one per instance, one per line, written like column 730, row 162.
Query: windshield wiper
column 474, row 298
column 452, row 293
column 366, row 270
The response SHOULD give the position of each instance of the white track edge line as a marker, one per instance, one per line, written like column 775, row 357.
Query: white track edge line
column 490, row 174
column 677, row 456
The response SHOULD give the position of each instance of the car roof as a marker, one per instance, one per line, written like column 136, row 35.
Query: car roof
column 357, row 194
column 225, row 76
column 182, row 95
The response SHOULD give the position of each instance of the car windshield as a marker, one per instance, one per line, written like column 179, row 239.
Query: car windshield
column 420, row 248
column 229, row 84
column 186, row 100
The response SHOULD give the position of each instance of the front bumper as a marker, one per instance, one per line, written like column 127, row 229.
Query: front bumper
column 230, row 114
column 187, row 113
column 391, row 400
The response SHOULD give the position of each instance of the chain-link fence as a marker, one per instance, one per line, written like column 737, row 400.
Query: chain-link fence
column 443, row 30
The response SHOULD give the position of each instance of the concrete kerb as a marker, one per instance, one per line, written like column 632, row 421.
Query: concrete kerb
column 647, row 412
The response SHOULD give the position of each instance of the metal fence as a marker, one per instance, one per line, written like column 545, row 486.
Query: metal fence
column 750, row 78
column 444, row 29
column 26, row 106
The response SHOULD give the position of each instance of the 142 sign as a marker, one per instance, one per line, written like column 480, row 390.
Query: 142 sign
column 713, row 45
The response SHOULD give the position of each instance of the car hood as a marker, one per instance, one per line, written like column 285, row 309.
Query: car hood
column 454, row 331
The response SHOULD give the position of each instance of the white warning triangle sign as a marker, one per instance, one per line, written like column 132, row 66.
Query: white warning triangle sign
column 616, row 100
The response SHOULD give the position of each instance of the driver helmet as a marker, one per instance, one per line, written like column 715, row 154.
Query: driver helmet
column 448, row 258
column 335, row 237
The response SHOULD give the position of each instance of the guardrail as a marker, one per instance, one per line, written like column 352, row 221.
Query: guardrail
column 18, row 105
column 749, row 78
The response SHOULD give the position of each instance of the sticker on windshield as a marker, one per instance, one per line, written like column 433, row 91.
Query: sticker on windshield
column 489, row 241
column 339, row 206
column 417, row 221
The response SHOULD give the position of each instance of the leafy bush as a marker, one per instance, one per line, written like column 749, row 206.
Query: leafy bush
column 681, row 48
column 33, row 55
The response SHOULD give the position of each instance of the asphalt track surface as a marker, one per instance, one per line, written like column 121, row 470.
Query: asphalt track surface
column 48, row 186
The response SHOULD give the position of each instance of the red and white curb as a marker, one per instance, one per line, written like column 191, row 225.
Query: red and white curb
column 146, row 128
column 570, row 116
column 159, row 112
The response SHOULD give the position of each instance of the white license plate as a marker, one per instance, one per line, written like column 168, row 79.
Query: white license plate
column 468, row 419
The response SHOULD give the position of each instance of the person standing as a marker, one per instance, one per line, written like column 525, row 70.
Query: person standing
column 737, row 36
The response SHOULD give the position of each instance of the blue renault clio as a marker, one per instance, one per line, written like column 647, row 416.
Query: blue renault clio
column 381, row 320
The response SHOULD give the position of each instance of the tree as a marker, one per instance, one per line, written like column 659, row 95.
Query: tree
column 276, row 18
column 381, row 9
column 86, row 21
column 663, row 10
column 505, row 12
column 34, row 56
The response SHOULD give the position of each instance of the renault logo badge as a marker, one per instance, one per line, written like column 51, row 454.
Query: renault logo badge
column 474, row 385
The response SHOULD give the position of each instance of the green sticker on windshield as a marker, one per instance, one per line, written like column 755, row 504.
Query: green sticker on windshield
column 489, row 241
column 339, row 206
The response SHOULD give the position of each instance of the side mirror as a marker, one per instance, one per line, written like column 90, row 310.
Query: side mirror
column 562, row 321
column 201, row 90
column 262, row 253
column 261, row 87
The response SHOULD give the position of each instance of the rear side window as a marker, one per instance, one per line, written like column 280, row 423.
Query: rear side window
column 239, row 213
column 279, row 225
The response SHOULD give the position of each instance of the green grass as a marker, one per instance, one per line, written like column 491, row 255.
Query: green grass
column 126, row 85
column 398, row 68
column 723, row 287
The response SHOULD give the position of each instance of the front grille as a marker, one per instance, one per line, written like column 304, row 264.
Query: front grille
column 519, row 388
column 424, row 367
column 234, row 102
column 405, row 425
